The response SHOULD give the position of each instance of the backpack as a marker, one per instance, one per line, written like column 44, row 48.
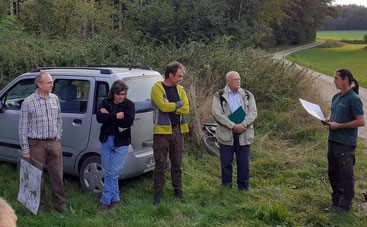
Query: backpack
column 222, row 99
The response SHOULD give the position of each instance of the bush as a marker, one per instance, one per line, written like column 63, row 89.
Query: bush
column 276, row 86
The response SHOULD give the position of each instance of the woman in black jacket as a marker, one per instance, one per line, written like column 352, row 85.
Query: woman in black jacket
column 116, row 114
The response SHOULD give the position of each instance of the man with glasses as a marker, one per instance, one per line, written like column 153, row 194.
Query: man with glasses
column 40, row 130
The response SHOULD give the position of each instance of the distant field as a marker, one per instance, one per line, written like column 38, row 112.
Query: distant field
column 342, row 34
column 327, row 60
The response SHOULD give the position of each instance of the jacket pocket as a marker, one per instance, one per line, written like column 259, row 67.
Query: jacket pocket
column 223, row 134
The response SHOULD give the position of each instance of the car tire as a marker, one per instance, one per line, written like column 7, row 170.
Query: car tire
column 91, row 174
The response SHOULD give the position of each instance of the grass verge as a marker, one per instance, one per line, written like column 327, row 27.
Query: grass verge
column 288, row 187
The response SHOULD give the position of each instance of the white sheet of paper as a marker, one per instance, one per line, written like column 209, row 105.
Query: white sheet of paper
column 313, row 109
column 30, row 186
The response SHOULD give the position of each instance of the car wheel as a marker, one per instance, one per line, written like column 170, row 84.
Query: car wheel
column 91, row 174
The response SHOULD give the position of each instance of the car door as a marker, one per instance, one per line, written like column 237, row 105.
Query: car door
column 76, row 102
column 12, row 97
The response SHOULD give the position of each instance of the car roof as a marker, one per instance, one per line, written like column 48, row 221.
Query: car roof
column 119, row 72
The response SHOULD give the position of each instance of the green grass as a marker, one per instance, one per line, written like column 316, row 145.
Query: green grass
column 327, row 60
column 288, row 187
column 342, row 34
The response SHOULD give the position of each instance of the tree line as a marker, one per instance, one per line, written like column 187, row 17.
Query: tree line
column 349, row 17
column 261, row 23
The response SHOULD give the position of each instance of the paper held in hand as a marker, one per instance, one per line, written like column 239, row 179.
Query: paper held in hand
column 313, row 109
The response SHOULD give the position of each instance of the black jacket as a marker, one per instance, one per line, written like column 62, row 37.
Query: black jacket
column 121, row 128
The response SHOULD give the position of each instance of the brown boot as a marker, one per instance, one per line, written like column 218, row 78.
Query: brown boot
column 102, row 208
column 114, row 204
column 157, row 198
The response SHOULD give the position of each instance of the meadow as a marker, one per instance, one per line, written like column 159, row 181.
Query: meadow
column 288, row 184
column 341, row 35
column 327, row 60
column 288, row 187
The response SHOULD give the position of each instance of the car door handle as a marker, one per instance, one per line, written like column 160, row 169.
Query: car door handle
column 148, row 143
column 77, row 122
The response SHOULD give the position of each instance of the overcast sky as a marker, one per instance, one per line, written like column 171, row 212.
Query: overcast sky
column 346, row 2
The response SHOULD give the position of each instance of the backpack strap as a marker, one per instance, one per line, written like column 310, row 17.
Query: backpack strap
column 221, row 98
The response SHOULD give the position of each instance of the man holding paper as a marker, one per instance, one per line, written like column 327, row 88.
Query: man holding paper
column 234, row 109
column 344, row 119
column 40, row 130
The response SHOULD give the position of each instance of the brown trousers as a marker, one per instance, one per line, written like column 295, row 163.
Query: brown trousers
column 49, row 151
column 172, row 145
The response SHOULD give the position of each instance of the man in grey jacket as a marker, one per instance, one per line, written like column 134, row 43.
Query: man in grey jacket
column 232, row 137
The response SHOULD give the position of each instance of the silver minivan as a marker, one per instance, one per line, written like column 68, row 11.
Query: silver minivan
column 81, row 90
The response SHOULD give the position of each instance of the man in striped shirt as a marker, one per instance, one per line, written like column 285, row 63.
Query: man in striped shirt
column 40, row 130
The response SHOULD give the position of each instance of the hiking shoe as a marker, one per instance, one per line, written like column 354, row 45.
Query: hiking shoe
column 102, row 207
column 331, row 208
column 114, row 204
column 227, row 185
column 242, row 189
column 60, row 209
column 157, row 198
column 178, row 193
column 41, row 208
column 343, row 208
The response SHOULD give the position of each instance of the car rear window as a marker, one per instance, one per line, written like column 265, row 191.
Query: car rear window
column 139, row 91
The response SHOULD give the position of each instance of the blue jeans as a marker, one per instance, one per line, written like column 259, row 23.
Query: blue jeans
column 243, row 163
column 112, row 159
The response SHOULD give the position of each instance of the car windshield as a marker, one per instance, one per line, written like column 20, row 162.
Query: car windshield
column 139, row 91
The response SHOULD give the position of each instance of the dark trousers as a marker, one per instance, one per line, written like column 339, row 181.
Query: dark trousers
column 164, row 145
column 341, row 160
column 243, row 163
column 49, row 151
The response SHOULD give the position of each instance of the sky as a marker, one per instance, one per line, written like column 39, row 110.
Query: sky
column 346, row 2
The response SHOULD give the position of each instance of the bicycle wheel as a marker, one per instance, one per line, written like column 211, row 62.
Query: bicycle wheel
column 211, row 144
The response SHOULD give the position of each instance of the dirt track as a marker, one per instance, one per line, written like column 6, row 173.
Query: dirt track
column 325, row 83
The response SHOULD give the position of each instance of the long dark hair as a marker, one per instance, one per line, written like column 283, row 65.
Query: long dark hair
column 344, row 72
column 117, row 87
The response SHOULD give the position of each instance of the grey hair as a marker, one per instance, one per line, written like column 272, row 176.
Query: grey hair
column 231, row 72
column 38, row 77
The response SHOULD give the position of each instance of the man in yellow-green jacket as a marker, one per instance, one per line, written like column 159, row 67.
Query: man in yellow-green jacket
column 170, row 103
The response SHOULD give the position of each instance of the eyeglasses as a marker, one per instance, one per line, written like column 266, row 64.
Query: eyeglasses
column 49, row 82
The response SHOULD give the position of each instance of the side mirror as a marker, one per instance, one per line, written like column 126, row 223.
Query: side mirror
column 2, row 107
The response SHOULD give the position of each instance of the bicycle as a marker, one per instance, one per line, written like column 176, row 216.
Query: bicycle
column 209, row 140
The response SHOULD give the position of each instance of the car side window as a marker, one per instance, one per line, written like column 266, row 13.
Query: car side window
column 139, row 91
column 101, row 94
column 73, row 95
column 16, row 95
